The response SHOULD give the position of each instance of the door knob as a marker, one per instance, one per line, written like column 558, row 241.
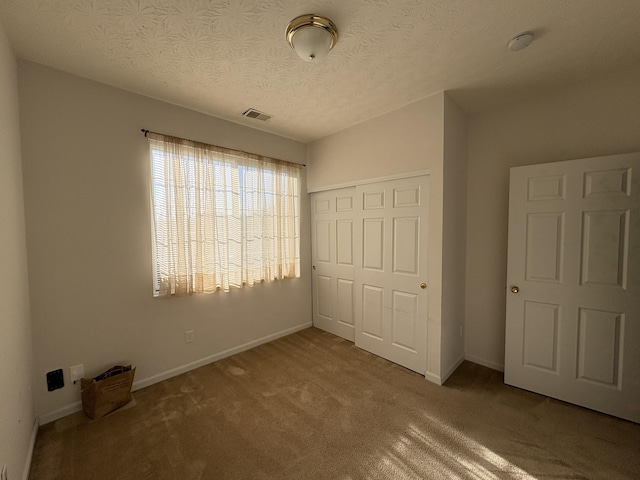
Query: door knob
column 515, row 289
column 314, row 267
column 423, row 285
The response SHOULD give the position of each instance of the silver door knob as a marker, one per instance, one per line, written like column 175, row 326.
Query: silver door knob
column 515, row 289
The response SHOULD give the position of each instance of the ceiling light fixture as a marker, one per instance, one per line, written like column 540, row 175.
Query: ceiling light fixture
column 311, row 36
column 520, row 41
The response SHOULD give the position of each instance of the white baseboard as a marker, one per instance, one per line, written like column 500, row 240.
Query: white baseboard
column 32, row 446
column 433, row 378
column 440, row 379
column 59, row 413
column 485, row 363
column 215, row 357
column 146, row 382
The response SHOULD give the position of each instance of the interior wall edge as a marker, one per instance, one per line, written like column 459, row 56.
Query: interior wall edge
column 17, row 411
column 32, row 446
column 433, row 378
column 452, row 368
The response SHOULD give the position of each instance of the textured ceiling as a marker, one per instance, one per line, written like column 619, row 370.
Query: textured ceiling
column 224, row 56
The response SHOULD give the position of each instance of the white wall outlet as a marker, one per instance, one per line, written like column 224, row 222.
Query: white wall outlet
column 3, row 473
column 188, row 336
column 77, row 372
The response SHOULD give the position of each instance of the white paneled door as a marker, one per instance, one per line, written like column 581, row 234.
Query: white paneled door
column 573, row 293
column 333, row 256
column 391, row 270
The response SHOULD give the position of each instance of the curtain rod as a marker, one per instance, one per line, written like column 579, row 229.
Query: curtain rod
column 147, row 132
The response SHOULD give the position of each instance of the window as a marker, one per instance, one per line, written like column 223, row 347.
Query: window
column 221, row 218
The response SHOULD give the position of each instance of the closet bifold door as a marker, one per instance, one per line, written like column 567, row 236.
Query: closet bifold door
column 333, row 258
column 391, row 281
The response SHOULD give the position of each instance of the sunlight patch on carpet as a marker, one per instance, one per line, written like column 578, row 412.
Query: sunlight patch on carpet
column 438, row 450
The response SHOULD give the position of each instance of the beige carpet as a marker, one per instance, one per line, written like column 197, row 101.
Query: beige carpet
column 313, row 406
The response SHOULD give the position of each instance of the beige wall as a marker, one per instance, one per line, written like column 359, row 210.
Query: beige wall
column 86, row 180
column 16, row 402
column 406, row 140
column 401, row 141
column 454, row 234
column 596, row 117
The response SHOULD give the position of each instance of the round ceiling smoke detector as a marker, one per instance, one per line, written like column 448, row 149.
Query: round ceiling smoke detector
column 520, row 41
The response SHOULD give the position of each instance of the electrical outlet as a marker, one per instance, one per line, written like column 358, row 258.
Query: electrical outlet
column 76, row 372
column 188, row 336
column 55, row 380
column 3, row 473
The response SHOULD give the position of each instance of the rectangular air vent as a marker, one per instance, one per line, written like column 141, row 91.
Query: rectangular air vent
column 253, row 113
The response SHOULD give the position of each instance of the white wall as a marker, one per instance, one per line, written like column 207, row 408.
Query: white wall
column 86, row 180
column 16, row 402
column 454, row 234
column 596, row 117
column 405, row 140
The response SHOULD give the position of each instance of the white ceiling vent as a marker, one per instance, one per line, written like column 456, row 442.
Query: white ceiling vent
column 253, row 113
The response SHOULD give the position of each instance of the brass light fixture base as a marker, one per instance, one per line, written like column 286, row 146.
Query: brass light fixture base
column 302, row 22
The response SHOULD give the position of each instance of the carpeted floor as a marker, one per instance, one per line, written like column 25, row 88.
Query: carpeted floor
column 313, row 406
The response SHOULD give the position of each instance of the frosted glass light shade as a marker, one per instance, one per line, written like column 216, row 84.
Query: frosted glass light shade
column 311, row 36
column 311, row 43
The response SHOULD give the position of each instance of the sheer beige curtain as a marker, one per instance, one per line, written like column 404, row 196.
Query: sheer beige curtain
column 221, row 218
